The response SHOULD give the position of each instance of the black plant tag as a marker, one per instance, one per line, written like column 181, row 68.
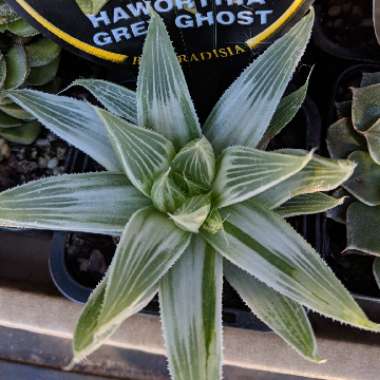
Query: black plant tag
column 202, row 30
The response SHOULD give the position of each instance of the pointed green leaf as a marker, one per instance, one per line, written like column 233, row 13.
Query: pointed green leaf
column 94, row 202
column 42, row 52
column 192, row 213
column 17, row 67
column 73, row 120
column 26, row 134
column 117, row 99
column 191, row 303
column 284, row 316
column 308, row 204
column 7, row 121
column 21, row 28
column 144, row 154
column 245, row 172
column 320, row 174
column 196, row 162
column 363, row 229
column 166, row 195
column 245, row 111
column 286, row 112
column 365, row 106
column 163, row 99
column 144, row 255
column 365, row 182
column 262, row 243
column 342, row 139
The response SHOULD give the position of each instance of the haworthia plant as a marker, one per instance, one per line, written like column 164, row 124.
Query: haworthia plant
column 356, row 136
column 91, row 6
column 186, row 208
column 26, row 60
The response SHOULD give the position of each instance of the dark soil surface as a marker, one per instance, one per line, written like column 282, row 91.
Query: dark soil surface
column 349, row 23
column 24, row 163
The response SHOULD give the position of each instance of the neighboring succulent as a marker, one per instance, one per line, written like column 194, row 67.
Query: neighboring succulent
column 91, row 6
column 26, row 60
column 356, row 136
column 192, row 205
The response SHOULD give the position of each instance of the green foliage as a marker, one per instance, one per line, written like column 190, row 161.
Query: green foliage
column 91, row 6
column 187, row 204
column 26, row 60
column 356, row 136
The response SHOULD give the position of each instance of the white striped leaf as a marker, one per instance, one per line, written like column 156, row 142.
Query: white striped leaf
column 166, row 195
column 143, row 256
column 117, row 99
column 245, row 172
column 193, row 213
column 73, row 120
column 308, row 204
column 191, row 303
column 284, row 316
column 245, row 111
column 196, row 162
column 144, row 154
column 94, row 202
column 320, row 174
column 286, row 112
column 163, row 99
column 262, row 243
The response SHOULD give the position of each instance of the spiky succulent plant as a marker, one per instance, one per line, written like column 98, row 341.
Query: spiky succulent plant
column 26, row 60
column 192, row 204
column 356, row 136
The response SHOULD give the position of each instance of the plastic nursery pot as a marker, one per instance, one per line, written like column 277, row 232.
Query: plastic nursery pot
column 355, row 271
column 344, row 29
column 303, row 132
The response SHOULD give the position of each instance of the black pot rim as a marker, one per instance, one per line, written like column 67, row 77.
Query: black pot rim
column 60, row 274
column 323, row 42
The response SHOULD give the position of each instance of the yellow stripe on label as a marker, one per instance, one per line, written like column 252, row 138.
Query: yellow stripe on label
column 255, row 41
column 80, row 45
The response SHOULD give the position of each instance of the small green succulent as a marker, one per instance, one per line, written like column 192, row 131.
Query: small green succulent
column 192, row 204
column 356, row 136
column 26, row 60
column 91, row 6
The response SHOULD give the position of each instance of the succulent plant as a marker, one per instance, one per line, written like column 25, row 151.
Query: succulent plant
column 356, row 136
column 192, row 204
column 26, row 60
column 91, row 6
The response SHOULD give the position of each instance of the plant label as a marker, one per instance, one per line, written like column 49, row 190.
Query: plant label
column 202, row 30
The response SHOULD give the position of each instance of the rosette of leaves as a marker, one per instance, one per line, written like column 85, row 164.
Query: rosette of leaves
column 192, row 204
column 26, row 60
column 356, row 136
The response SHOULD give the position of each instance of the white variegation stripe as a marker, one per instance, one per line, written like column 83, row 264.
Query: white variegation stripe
column 308, row 204
column 261, row 242
column 284, row 316
column 246, row 172
column 144, row 154
column 148, row 248
column 94, row 202
column 117, row 99
column 191, row 303
column 196, row 162
column 243, row 114
column 73, row 120
column 320, row 174
column 163, row 99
